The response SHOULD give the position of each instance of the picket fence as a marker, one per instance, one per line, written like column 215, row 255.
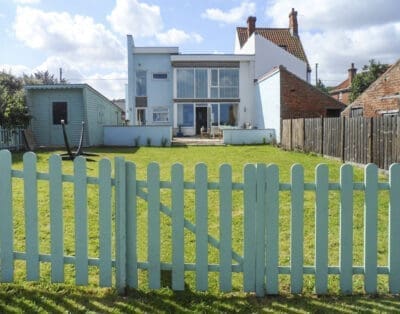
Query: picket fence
column 259, row 262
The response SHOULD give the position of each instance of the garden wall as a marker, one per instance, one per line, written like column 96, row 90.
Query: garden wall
column 137, row 135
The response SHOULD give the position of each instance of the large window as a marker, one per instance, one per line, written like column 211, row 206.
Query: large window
column 227, row 114
column 141, row 84
column 60, row 112
column 187, row 118
column 195, row 83
column 160, row 114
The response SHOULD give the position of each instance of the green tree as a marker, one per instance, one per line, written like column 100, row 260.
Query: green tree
column 365, row 78
column 321, row 86
column 13, row 109
column 41, row 77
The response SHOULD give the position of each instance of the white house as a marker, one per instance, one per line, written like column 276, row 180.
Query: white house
column 194, row 92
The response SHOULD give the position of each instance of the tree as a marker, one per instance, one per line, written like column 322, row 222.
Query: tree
column 321, row 86
column 365, row 78
column 41, row 77
column 13, row 109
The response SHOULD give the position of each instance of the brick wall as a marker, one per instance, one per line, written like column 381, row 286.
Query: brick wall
column 302, row 100
column 371, row 100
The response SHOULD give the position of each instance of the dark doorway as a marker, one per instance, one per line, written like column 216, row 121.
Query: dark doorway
column 201, row 118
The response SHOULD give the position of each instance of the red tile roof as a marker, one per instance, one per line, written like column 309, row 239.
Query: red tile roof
column 279, row 36
column 344, row 85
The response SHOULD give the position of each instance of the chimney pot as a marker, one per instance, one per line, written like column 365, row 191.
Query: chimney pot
column 293, row 26
column 251, row 25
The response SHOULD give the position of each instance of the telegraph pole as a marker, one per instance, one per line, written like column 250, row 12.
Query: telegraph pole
column 316, row 74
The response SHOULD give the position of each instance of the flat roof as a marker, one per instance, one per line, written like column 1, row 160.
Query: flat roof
column 212, row 57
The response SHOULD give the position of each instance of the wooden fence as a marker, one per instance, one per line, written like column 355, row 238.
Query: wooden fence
column 358, row 140
column 11, row 139
column 257, row 256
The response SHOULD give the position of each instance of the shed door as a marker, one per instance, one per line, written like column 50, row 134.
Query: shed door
column 59, row 111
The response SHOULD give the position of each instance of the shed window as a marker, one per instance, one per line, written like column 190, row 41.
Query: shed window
column 60, row 112
column 160, row 76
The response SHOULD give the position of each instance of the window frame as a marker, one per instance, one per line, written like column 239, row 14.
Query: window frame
column 60, row 114
column 162, row 111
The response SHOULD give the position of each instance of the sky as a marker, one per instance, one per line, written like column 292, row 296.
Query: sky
column 87, row 38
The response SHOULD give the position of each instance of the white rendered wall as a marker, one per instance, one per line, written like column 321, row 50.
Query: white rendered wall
column 268, row 108
column 268, row 55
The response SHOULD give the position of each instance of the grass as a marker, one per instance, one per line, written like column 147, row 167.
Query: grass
column 53, row 298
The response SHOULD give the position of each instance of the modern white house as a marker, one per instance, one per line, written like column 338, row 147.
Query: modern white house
column 196, row 92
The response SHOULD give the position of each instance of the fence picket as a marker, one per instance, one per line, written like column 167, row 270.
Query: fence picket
column 249, row 196
column 370, row 228
column 105, row 269
column 120, row 224
column 56, row 219
column 296, row 240
column 272, row 230
column 81, row 222
column 201, row 227
column 346, row 229
column 394, row 229
column 31, row 217
column 260, row 229
column 131, row 227
column 321, row 227
column 178, row 249
column 154, row 269
column 6, row 221
column 225, row 231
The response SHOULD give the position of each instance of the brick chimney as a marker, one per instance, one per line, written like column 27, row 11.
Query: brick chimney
column 352, row 73
column 251, row 25
column 293, row 26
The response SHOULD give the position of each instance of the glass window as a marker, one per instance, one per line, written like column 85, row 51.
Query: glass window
column 160, row 76
column 201, row 83
column 60, row 112
column 214, row 77
column 140, row 116
column 141, row 84
column 228, row 114
column 188, row 115
column 160, row 114
column 229, row 83
column 185, row 83
column 214, row 114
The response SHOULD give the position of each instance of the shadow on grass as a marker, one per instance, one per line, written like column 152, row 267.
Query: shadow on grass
column 54, row 298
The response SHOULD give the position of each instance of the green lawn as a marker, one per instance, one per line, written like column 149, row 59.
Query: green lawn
column 44, row 297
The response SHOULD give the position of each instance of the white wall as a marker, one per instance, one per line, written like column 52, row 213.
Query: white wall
column 268, row 55
column 267, row 102
column 246, row 93
column 248, row 136
column 126, row 136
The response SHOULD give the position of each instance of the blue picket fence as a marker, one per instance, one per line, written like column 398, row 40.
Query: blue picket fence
column 119, row 193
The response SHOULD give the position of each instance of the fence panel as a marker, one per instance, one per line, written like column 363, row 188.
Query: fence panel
column 261, row 191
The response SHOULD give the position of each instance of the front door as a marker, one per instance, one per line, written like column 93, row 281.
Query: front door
column 201, row 119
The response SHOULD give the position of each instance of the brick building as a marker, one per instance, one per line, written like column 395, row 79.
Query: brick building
column 343, row 90
column 381, row 98
column 283, row 95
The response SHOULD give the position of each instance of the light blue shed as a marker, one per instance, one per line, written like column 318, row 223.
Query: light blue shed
column 73, row 103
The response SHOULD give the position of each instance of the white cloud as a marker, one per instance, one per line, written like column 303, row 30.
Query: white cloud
column 336, row 33
column 111, row 85
column 136, row 18
column 234, row 15
column 15, row 69
column 76, row 38
column 175, row 37
column 27, row 1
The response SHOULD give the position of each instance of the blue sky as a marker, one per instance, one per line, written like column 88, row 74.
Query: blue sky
column 87, row 38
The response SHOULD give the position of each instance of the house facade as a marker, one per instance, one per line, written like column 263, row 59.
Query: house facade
column 342, row 91
column 73, row 103
column 196, row 92
column 381, row 98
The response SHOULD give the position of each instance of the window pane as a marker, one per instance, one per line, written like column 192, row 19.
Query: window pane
column 201, row 83
column 228, row 114
column 160, row 76
column 188, row 115
column 141, row 86
column 60, row 112
column 229, row 92
column 214, row 114
column 214, row 92
column 229, row 77
column 160, row 114
column 185, row 83
column 214, row 77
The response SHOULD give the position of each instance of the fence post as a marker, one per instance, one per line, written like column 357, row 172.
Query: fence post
column 291, row 135
column 322, row 136
column 120, row 225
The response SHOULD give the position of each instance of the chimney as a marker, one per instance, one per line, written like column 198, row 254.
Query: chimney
column 293, row 26
column 352, row 73
column 251, row 25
